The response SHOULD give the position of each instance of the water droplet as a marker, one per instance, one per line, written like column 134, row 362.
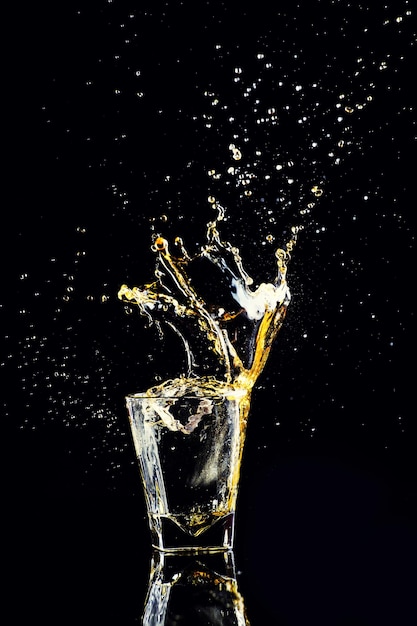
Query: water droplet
column 236, row 153
column 317, row 191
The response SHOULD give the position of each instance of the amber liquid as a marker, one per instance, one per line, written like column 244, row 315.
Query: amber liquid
column 189, row 432
column 229, row 345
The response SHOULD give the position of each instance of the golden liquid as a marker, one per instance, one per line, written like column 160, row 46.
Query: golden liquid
column 196, row 523
column 173, row 299
column 233, row 345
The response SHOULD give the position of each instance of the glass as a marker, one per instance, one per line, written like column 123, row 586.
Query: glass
column 189, row 450
column 193, row 591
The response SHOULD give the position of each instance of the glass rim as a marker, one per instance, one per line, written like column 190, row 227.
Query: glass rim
column 232, row 394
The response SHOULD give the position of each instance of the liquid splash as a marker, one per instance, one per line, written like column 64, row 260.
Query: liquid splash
column 226, row 345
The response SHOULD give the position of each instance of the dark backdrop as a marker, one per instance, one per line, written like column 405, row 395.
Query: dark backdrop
column 118, row 111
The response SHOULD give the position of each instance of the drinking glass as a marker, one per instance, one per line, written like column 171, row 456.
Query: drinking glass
column 189, row 451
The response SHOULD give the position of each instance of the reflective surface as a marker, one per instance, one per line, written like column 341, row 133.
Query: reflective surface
column 194, row 592
column 342, row 553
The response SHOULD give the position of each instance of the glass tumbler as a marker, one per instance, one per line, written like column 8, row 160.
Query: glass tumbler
column 189, row 451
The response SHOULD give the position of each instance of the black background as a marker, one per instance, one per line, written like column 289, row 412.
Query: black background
column 106, row 102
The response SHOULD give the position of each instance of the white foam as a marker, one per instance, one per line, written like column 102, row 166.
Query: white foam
column 266, row 297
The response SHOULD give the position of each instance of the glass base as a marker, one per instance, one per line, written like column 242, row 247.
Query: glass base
column 172, row 539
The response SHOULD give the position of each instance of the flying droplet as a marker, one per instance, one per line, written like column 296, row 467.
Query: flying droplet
column 317, row 191
column 236, row 153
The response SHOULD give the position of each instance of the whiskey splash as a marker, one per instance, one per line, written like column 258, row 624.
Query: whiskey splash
column 226, row 344
column 189, row 432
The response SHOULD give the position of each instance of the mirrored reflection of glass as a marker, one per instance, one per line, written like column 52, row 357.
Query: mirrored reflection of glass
column 193, row 591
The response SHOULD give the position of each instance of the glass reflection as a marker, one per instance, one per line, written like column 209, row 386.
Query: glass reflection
column 193, row 590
